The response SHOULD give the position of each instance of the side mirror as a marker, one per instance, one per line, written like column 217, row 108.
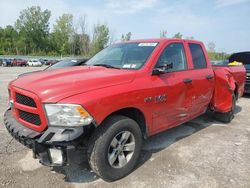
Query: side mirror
column 162, row 69
column 158, row 71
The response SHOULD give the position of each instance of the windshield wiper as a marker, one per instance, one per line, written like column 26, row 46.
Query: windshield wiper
column 107, row 66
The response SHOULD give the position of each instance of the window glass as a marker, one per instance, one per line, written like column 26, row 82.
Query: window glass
column 114, row 54
column 198, row 56
column 130, row 55
column 173, row 58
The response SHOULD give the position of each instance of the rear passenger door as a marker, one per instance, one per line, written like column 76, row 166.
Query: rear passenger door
column 202, row 78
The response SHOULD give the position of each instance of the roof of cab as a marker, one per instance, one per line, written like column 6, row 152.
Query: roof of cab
column 160, row 40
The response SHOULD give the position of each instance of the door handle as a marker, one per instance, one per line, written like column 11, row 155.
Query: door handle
column 210, row 77
column 187, row 80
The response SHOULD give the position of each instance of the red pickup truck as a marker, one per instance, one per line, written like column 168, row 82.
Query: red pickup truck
column 124, row 94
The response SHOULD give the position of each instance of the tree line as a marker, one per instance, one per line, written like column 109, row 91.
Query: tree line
column 31, row 35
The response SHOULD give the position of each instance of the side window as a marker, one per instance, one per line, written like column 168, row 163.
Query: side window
column 198, row 56
column 173, row 58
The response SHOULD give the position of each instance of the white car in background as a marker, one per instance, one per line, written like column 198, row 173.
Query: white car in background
column 34, row 63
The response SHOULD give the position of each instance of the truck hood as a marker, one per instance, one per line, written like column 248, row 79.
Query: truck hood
column 55, row 85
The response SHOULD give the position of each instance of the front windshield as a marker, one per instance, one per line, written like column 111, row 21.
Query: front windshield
column 123, row 56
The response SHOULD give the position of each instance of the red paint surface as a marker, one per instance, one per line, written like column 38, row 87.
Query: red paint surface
column 228, row 80
column 102, row 91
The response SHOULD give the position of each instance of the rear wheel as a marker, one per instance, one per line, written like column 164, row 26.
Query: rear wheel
column 228, row 116
column 115, row 148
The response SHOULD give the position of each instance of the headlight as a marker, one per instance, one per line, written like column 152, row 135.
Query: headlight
column 67, row 115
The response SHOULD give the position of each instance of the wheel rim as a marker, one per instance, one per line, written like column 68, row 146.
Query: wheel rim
column 121, row 149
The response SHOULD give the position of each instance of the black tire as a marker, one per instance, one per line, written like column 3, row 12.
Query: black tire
column 228, row 116
column 100, row 142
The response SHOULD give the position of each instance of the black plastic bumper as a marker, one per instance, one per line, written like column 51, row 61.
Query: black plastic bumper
column 62, row 138
column 22, row 134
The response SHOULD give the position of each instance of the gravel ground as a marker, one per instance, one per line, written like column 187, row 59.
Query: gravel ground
column 201, row 153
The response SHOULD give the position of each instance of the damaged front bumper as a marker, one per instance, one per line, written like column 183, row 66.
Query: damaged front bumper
column 52, row 147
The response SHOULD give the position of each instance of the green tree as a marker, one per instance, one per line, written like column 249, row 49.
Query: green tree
column 84, row 37
column 126, row 37
column 79, row 44
column 123, row 37
column 8, row 38
column 1, row 41
column 100, row 38
column 178, row 36
column 33, row 27
column 62, row 33
column 21, row 47
column 218, row 55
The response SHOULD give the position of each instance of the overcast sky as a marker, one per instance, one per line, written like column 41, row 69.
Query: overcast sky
column 225, row 22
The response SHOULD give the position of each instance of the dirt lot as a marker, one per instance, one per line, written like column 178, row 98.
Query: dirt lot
column 201, row 153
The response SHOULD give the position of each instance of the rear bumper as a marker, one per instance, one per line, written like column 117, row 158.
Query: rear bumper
column 58, row 138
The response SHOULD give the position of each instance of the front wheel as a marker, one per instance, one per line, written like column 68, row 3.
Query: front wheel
column 115, row 148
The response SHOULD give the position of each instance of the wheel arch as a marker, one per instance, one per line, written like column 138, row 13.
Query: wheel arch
column 134, row 113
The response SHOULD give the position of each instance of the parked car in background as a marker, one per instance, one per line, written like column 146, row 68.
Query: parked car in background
column 243, row 57
column 19, row 62
column 43, row 61
column 51, row 62
column 61, row 64
column 6, row 63
column 34, row 63
column 1, row 62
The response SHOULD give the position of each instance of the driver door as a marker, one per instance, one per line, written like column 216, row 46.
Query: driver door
column 172, row 101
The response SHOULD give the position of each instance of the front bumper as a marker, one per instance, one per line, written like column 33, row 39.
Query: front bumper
column 54, row 138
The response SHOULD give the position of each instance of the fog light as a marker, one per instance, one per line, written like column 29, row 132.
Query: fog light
column 56, row 156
